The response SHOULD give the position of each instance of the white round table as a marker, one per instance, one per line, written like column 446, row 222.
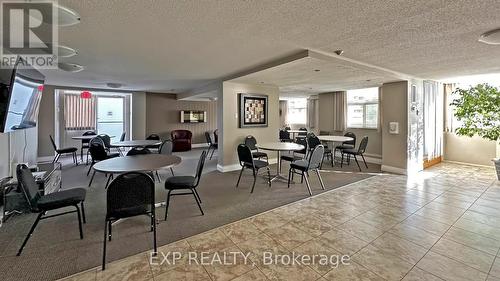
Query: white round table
column 89, row 137
column 135, row 143
column 278, row 147
column 334, row 140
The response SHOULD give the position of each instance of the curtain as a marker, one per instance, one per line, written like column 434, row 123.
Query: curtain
column 339, row 110
column 379, row 115
column 283, row 113
column 312, row 112
column 433, row 120
column 79, row 114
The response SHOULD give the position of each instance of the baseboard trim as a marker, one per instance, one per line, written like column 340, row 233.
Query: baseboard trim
column 469, row 164
column 198, row 145
column 236, row 167
column 395, row 170
column 45, row 158
column 373, row 158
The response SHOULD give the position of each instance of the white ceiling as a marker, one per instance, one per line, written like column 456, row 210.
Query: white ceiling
column 167, row 45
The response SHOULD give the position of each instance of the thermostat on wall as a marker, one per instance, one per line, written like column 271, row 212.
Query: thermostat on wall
column 394, row 128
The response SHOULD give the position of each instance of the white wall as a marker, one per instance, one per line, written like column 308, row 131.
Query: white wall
column 4, row 155
column 473, row 150
column 17, row 147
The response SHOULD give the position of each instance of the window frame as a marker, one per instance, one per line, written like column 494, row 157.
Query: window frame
column 289, row 111
column 364, row 105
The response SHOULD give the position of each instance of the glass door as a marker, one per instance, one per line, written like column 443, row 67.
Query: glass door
column 110, row 116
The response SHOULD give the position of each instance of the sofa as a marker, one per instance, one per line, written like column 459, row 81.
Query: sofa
column 181, row 140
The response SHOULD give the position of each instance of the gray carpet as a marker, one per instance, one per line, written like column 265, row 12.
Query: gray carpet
column 55, row 250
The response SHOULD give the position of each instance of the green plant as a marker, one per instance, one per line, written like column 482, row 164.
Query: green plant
column 478, row 108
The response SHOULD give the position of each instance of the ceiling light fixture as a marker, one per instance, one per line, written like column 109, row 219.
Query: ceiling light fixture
column 114, row 85
column 339, row 52
column 491, row 37
column 70, row 67
column 317, row 70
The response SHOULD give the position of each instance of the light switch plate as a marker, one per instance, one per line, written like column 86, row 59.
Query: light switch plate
column 393, row 128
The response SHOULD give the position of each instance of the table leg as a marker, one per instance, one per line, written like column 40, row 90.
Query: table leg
column 278, row 175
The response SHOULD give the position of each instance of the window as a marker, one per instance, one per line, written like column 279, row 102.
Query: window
column 362, row 108
column 297, row 111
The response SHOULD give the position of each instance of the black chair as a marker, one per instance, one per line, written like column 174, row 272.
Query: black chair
column 303, row 132
column 251, row 142
column 153, row 137
column 122, row 138
column 216, row 136
column 66, row 150
column 294, row 156
column 347, row 144
column 285, row 136
column 247, row 161
column 166, row 148
column 312, row 142
column 41, row 204
column 186, row 183
column 355, row 152
column 211, row 145
column 303, row 167
column 143, row 151
column 85, row 144
column 106, row 140
column 287, row 128
column 98, row 153
column 129, row 195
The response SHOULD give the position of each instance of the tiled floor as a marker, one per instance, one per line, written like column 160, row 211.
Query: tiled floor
column 443, row 224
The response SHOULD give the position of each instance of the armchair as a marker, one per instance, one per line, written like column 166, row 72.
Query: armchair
column 181, row 140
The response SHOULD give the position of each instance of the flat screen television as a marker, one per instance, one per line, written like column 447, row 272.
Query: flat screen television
column 193, row 116
column 20, row 94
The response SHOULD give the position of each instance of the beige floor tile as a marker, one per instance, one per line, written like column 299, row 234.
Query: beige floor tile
column 334, row 219
column 397, row 213
column 485, row 210
column 89, row 275
column 165, row 260
column 342, row 241
column 312, row 225
column 258, row 245
column 417, row 274
column 479, row 228
column 443, row 217
column 280, row 272
column 404, row 249
column 383, row 264
column 492, row 278
column 269, row 220
column 252, row 275
column 495, row 268
column 316, row 248
column 472, row 257
column 132, row 268
column 473, row 240
column 227, row 264
column 431, row 226
column 482, row 218
column 240, row 231
column 378, row 220
column 362, row 230
column 453, row 201
column 415, row 235
column 352, row 272
column 289, row 235
column 449, row 269
column 210, row 241
column 184, row 273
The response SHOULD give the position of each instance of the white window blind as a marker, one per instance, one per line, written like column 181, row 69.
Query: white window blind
column 362, row 108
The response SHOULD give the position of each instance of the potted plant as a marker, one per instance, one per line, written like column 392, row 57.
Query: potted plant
column 478, row 109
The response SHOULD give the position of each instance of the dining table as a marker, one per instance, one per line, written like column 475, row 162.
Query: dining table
column 87, row 137
column 135, row 143
column 279, row 147
column 335, row 140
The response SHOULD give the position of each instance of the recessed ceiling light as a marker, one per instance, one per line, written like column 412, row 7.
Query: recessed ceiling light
column 70, row 67
column 317, row 70
column 261, row 82
column 491, row 37
column 114, row 85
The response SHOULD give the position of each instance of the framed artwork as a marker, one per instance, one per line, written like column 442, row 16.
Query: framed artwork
column 253, row 110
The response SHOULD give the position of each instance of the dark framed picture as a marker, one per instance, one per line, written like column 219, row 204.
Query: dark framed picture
column 253, row 110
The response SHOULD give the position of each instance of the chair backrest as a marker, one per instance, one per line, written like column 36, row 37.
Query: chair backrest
column 351, row 135
column 245, row 155
column 166, row 147
column 181, row 134
column 316, row 157
column 284, row 135
column 363, row 144
column 216, row 135
column 138, row 151
column 288, row 128
column 312, row 141
column 106, row 139
column 153, row 137
column 302, row 141
column 302, row 133
column 53, row 142
column 97, row 149
column 199, row 169
column 88, row 133
column 208, row 138
column 251, row 142
column 130, row 193
column 28, row 185
column 122, row 138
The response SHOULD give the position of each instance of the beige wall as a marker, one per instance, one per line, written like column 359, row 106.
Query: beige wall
column 46, row 124
column 394, row 104
column 138, row 116
column 232, row 135
column 163, row 116
column 473, row 150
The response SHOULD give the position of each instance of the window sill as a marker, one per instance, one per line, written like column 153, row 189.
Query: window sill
column 361, row 128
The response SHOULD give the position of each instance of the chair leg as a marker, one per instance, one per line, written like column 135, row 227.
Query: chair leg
column 362, row 156
column 342, row 160
column 158, row 176
column 109, row 179
column 307, row 184
column 198, row 203
column 254, row 179
column 289, row 176
column 153, row 215
column 269, row 176
column 81, row 154
column 320, row 179
column 110, row 230
column 90, row 168
column 103, row 267
column 197, row 195
column 83, row 212
column 79, row 221
column 92, row 178
column 357, row 163
column 168, row 202
column 213, row 150
column 241, row 172
column 30, row 233
column 172, row 171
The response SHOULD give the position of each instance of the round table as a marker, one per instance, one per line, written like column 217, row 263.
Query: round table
column 334, row 140
column 278, row 147
column 89, row 137
column 136, row 143
column 137, row 163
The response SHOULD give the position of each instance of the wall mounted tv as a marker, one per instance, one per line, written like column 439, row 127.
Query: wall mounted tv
column 193, row 116
column 20, row 94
